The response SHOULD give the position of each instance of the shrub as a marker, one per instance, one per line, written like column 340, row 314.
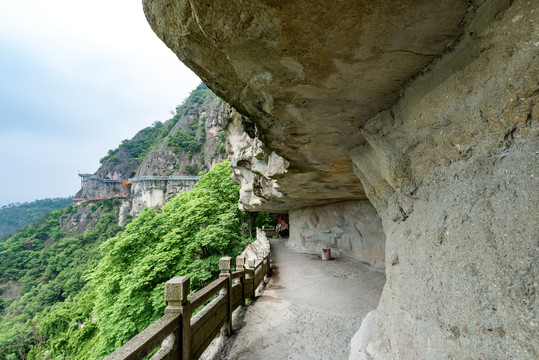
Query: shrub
column 183, row 142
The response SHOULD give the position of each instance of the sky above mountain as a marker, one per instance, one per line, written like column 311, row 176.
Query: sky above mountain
column 76, row 78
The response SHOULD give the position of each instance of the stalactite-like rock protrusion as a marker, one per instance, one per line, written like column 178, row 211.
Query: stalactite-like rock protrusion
column 254, row 167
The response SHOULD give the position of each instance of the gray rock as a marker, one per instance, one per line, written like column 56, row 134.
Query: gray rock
column 350, row 228
column 432, row 104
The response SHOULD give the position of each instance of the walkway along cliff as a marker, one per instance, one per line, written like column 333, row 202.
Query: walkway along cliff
column 180, row 334
column 411, row 129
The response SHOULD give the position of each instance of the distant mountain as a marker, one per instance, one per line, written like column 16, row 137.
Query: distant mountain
column 16, row 215
column 192, row 142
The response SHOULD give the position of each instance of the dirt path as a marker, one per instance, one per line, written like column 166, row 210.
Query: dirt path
column 310, row 309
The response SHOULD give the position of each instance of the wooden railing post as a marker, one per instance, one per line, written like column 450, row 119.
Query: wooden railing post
column 266, row 265
column 249, row 278
column 176, row 292
column 251, row 265
column 224, row 267
column 240, row 263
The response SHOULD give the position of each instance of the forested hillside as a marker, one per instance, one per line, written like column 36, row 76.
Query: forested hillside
column 75, row 285
column 79, row 296
column 14, row 216
column 42, row 265
column 185, row 144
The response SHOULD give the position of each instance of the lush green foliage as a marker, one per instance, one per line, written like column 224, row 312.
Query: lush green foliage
column 182, row 141
column 221, row 149
column 126, row 289
column 187, row 237
column 43, row 266
column 197, row 96
column 14, row 216
column 191, row 169
column 187, row 141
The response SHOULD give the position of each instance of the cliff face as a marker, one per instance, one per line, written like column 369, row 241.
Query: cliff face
column 308, row 74
column 189, row 143
column 427, row 109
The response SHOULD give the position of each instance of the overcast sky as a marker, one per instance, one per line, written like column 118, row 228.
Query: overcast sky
column 76, row 78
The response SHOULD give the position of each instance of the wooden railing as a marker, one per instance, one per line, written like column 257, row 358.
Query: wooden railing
column 179, row 334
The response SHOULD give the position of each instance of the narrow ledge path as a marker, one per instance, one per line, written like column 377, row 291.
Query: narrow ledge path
column 310, row 309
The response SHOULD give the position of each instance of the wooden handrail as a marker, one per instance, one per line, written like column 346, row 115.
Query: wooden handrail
column 237, row 274
column 187, row 338
column 150, row 338
column 204, row 294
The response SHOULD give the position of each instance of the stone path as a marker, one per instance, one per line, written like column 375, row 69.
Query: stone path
column 310, row 309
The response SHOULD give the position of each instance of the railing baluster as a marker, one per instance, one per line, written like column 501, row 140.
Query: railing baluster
column 251, row 266
column 240, row 262
column 176, row 292
column 224, row 267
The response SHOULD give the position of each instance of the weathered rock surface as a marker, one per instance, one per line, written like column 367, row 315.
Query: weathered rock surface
column 254, row 166
column 452, row 170
column 163, row 160
column 462, row 266
column 432, row 104
column 350, row 228
column 77, row 222
column 155, row 194
column 307, row 73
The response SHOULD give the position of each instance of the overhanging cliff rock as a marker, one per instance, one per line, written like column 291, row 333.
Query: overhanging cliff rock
column 425, row 109
column 308, row 73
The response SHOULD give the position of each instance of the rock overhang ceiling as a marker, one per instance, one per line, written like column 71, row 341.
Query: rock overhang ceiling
column 308, row 74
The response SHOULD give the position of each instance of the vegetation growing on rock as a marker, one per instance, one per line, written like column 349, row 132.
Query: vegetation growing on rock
column 42, row 265
column 139, row 146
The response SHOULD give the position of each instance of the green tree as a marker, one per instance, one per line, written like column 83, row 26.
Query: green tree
column 125, row 291
column 182, row 141
column 49, row 268
column 187, row 237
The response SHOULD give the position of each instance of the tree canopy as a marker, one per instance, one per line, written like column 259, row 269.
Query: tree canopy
column 89, row 294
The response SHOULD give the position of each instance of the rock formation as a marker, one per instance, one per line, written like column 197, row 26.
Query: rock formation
column 156, row 152
column 427, row 109
column 348, row 228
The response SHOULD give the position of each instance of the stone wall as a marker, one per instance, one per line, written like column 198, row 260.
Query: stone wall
column 155, row 194
column 349, row 228
column 462, row 266
column 453, row 171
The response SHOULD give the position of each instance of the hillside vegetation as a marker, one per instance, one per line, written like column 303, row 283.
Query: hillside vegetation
column 17, row 215
column 81, row 296
column 42, row 265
